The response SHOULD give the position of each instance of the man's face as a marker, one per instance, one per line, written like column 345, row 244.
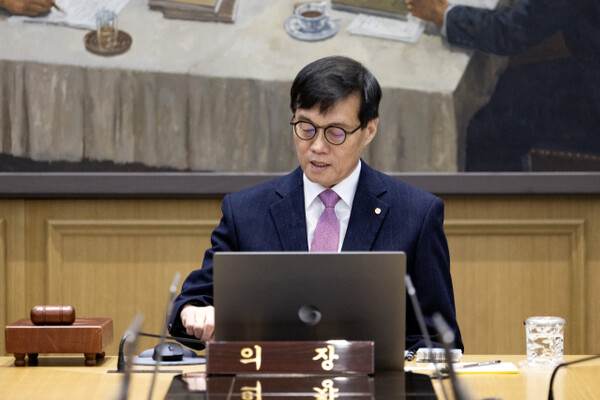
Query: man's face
column 323, row 162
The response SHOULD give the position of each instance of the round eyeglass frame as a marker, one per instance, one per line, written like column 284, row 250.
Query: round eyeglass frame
column 346, row 133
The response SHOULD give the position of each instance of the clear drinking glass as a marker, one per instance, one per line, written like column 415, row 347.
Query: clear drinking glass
column 545, row 340
column 106, row 28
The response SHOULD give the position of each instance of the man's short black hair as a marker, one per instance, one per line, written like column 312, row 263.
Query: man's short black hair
column 331, row 79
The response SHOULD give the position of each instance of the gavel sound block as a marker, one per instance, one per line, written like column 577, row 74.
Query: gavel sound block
column 54, row 329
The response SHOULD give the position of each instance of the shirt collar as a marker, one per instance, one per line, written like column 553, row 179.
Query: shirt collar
column 345, row 189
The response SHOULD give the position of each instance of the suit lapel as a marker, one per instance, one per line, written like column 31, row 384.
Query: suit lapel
column 288, row 213
column 368, row 212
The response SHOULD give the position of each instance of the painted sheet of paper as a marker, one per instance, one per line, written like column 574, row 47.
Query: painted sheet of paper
column 77, row 13
column 491, row 4
column 407, row 30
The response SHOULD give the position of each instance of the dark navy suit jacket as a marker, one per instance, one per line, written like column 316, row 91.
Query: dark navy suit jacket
column 509, row 30
column 271, row 217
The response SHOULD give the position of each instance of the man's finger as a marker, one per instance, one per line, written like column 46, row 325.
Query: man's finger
column 199, row 330
column 188, row 320
column 209, row 325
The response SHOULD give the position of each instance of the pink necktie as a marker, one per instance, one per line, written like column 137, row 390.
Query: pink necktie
column 327, row 233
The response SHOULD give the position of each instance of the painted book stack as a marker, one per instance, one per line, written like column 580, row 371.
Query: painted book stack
column 197, row 10
column 380, row 8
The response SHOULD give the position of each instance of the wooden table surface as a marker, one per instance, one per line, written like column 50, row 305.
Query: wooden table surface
column 67, row 378
column 579, row 381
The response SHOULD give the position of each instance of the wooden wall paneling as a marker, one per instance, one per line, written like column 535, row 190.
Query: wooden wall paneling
column 501, row 251
column 548, row 207
column 12, row 264
column 3, row 293
column 507, row 270
column 118, row 269
column 40, row 211
column 115, row 258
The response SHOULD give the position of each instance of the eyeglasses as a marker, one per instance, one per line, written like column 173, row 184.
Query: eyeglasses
column 333, row 134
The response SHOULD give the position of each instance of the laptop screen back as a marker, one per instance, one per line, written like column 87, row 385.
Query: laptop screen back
column 313, row 296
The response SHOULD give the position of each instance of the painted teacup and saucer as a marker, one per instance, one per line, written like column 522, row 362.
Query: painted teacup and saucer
column 310, row 22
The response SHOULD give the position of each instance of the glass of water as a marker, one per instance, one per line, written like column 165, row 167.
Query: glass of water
column 106, row 28
column 545, row 340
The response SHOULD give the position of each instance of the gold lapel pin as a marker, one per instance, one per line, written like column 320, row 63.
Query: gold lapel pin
column 378, row 211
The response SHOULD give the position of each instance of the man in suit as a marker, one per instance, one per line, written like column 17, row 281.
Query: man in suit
column 509, row 30
column 334, row 103
column 553, row 104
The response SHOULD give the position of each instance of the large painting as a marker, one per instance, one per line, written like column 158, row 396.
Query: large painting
column 210, row 97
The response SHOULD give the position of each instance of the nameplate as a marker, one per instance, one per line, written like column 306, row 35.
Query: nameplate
column 315, row 357
column 319, row 387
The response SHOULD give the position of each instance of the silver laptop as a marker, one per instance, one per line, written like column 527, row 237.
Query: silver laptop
column 313, row 296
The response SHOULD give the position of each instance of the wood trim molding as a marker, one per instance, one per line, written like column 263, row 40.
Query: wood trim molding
column 573, row 229
column 3, row 293
column 217, row 184
column 58, row 230
column 130, row 227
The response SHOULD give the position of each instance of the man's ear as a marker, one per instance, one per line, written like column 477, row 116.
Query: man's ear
column 371, row 129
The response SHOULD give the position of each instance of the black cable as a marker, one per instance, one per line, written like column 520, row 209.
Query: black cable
column 412, row 294
column 177, row 338
column 550, row 394
column 169, row 311
column 447, row 336
column 121, row 358
column 131, row 338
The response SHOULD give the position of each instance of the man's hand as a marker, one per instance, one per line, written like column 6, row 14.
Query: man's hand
column 428, row 10
column 26, row 7
column 199, row 321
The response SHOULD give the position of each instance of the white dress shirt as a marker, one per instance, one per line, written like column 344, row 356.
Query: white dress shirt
column 444, row 30
column 314, row 206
